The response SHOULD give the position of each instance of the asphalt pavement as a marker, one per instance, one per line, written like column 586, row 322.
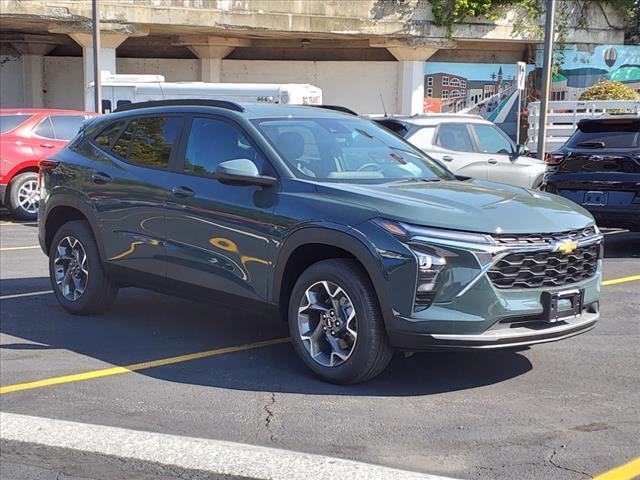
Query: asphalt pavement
column 564, row 410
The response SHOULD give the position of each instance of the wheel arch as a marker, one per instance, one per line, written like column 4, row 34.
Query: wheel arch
column 313, row 244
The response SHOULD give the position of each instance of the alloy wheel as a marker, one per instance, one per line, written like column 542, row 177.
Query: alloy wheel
column 28, row 196
column 327, row 323
column 71, row 268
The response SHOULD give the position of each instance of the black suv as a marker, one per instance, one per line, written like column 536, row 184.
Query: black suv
column 357, row 238
column 599, row 168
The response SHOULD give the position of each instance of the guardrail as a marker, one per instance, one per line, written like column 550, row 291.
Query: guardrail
column 563, row 116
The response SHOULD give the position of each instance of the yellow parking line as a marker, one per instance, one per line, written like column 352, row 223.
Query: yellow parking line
column 105, row 372
column 616, row 281
column 9, row 249
column 628, row 471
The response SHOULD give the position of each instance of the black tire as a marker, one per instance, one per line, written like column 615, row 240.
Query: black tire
column 100, row 291
column 17, row 210
column 372, row 351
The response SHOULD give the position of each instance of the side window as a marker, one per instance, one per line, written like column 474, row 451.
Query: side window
column 213, row 141
column 455, row 136
column 121, row 148
column 422, row 138
column 108, row 134
column 152, row 141
column 490, row 140
column 66, row 127
column 45, row 129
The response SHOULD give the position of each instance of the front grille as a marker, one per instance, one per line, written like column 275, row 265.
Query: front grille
column 536, row 238
column 544, row 268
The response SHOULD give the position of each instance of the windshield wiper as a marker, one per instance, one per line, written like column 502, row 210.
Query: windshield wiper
column 413, row 180
column 591, row 144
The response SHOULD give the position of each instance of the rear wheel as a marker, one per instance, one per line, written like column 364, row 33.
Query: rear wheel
column 336, row 324
column 24, row 196
column 76, row 272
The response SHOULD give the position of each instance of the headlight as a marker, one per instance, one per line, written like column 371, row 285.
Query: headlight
column 438, row 234
column 432, row 270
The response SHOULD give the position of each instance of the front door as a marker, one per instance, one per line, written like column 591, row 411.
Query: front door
column 454, row 147
column 497, row 150
column 128, row 186
column 219, row 236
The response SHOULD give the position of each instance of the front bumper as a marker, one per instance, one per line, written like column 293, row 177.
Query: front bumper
column 472, row 312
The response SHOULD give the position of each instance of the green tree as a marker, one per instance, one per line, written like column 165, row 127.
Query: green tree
column 609, row 90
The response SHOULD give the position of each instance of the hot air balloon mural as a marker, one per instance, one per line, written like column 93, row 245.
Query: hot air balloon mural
column 610, row 56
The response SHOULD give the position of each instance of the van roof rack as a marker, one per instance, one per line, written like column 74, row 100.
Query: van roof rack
column 236, row 107
column 337, row 108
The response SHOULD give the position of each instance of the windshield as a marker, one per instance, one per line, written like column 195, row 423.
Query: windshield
column 348, row 149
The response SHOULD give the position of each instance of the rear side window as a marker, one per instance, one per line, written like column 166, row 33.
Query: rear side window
column 455, row 136
column 9, row 122
column 65, row 127
column 45, row 129
column 108, row 135
column 605, row 139
column 148, row 141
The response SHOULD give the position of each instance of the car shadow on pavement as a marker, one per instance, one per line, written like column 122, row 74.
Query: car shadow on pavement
column 144, row 326
column 622, row 245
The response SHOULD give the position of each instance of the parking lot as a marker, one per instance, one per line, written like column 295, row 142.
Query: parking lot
column 564, row 410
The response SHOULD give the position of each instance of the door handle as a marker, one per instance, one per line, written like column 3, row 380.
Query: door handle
column 47, row 145
column 182, row 192
column 447, row 158
column 492, row 161
column 100, row 178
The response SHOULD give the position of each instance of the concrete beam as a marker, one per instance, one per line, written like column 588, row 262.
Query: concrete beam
column 404, row 54
column 211, row 50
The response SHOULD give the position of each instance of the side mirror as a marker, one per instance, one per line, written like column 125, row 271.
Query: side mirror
column 242, row 171
column 521, row 151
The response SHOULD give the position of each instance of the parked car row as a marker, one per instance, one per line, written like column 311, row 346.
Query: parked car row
column 28, row 136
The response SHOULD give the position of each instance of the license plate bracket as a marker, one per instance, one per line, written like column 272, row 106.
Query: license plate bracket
column 559, row 306
column 596, row 198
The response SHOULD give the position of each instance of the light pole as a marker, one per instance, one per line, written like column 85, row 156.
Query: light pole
column 97, row 84
column 549, row 33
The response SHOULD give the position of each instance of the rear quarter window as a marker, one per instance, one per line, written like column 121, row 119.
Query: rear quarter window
column 9, row 122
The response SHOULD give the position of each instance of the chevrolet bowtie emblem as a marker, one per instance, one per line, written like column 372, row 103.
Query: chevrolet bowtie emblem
column 566, row 247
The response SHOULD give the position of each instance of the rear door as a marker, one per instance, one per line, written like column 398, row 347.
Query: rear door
column 54, row 132
column 129, row 186
column 219, row 236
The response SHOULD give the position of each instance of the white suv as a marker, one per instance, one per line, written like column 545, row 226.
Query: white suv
column 470, row 146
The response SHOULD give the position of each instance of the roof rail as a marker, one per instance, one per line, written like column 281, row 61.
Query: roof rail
column 182, row 102
column 337, row 108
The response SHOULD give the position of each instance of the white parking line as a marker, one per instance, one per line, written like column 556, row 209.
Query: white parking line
column 28, row 294
column 213, row 456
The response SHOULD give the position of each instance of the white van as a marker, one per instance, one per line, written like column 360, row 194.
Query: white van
column 120, row 90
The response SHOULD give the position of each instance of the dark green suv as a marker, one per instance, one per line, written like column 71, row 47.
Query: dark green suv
column 356, row 238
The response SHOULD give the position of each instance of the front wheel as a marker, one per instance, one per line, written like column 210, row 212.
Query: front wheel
column 78, row 279
column 336, row 324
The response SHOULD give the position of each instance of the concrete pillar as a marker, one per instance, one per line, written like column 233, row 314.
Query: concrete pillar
column 108, row 44
column 33, row 49
column 211, row 50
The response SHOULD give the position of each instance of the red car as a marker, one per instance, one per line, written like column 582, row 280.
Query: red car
column 27, row 136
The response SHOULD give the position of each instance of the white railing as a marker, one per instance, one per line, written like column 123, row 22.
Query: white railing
column 563, row 116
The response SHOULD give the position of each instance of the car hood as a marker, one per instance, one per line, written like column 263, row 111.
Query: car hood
column 471, row 205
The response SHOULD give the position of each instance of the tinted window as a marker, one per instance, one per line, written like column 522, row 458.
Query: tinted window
column 121, row 148
column 66, row 127
column 213, row 141
column 45, row 129
column 107, row 135
column 490, row 140
column 455, row 136
column 152, row 141
column 610, row 139
column 347, row 149
column 9, row 122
